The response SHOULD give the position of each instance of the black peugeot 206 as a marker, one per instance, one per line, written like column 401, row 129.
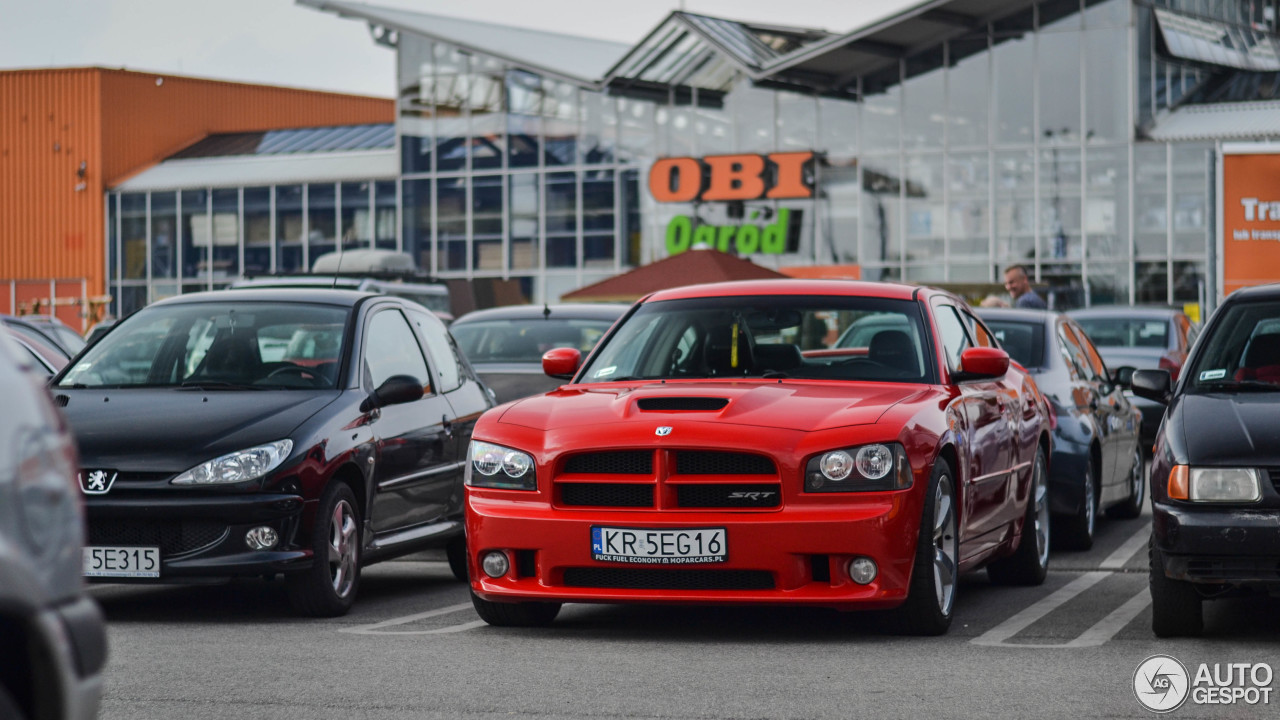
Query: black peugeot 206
column 1215, row 477
column 262, row 432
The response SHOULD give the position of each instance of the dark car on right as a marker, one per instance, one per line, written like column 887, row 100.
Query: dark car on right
column 1145, row 338
column 1096, row 462
column 1215, row 477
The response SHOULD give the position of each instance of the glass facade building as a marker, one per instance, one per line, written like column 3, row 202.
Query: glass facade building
column 1024, row 139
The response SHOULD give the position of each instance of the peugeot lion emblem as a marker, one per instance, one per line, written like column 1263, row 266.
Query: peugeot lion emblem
column 96, row 482
column 663, row 431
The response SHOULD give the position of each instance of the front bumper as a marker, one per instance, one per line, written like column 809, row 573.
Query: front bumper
column 74, row 638
column 796, row 555
column 200, row 538
column 1219, row 545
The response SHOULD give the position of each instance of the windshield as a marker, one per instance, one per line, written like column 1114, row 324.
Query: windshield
column 1243, row 350
column 1126, row 332
column 1023, row 341
column 524, row 341
column 767, row 336
column 218, row 344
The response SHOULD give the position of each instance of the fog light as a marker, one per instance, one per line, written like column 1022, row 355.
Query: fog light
column 261, row 538
column 862, row 570
column 495, row 564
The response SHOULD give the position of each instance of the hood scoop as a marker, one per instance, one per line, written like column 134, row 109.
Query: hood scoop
column 682, row 403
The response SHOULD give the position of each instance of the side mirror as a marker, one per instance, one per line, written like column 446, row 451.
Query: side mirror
column 561, row 363
column 395, row 390
column 1122, row 376
column 1154, row 385
column 982, row 363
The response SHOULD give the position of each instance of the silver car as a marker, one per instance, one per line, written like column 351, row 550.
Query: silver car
column 53, row 643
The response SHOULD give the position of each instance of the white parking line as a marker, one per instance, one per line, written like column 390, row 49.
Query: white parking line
column 1103, row 630
column 376, row 628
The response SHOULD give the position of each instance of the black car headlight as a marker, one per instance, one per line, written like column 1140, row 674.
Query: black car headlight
column 239, row 466
column 1211, row 484
column 879, row 466
column 495, row 466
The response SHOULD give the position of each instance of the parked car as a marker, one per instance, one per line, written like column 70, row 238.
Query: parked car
column 48, row 358
column 506, row 344
column 1097, row 462
column 46, row 330
column 1215, row 478
column 256, row 432
column 53, row 636
column 701, row 455
column 1142, row 338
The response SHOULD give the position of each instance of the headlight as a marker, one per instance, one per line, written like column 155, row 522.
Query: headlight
column 1224, row 485
column 882, row 466
column 494, row 466
column 238, row 466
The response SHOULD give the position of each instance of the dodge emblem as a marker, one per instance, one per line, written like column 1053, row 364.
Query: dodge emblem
column 663, row 431
column 96, row 482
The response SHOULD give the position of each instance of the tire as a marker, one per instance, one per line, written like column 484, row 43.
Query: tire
column 520, row 614
column 329, row 587
column 931, row 597
column 1029, row 564
column 456, row 551
column 1131, row 507
column 1176, row 606
column 8, row 706
column 1075, row 532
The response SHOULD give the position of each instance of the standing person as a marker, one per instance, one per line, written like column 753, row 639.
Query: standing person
column 1019, row 287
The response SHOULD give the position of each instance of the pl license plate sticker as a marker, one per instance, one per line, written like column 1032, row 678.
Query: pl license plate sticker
column 1212, row 375
column 644, row 546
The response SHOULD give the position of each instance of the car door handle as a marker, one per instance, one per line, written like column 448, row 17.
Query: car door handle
column 448, row 425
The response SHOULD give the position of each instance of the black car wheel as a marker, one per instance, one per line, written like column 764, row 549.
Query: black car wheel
column 1029, row 564
column 931, row 599
column 518, row 614
column 457, row 554
column 329, row 587
column 1176, row 606
column 1131, row 507
column 1075, row 532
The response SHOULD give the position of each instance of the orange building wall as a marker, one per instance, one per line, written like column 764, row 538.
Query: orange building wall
column 118, row 123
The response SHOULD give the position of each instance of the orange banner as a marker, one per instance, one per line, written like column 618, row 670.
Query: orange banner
column 1250, row 220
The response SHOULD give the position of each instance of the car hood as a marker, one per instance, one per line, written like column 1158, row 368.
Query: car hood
column 790, row 405
column 1229, row 429
column 168, row 430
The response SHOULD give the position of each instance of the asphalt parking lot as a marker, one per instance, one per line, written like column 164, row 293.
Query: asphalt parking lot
column 414, row 648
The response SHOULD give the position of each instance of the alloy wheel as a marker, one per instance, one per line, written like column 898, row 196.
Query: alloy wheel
column 944, row 545
column 1040, row 497
column 342, row 548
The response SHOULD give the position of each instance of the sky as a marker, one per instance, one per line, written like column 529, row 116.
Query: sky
column 279, row 43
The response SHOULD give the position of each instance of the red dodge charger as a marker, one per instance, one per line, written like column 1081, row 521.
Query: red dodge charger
column 838, row 444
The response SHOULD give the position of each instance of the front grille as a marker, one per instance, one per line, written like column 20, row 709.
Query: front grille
column 1223, row 569
column 623, row 462
column 729, row 496
column 606, row 494
column 173, row 537
column 681, row 403
column 1275, row 477
column 701, row 462
column 626, row 578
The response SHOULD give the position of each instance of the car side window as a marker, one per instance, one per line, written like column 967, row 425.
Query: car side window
column 981, row 336
column 1072, row 354
column 442, row 349
column 391, row 348
column 955, row 340
column 1097, row 367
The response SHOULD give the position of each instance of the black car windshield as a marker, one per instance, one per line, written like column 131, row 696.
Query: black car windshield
column 218, row 345
column 525, row 340
column 769, row 337
column 1024, row 341
column 1136, row 332
column 1242, row 353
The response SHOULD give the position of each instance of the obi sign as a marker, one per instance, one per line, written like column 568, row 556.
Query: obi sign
column 734, row 179
column 1250, row 212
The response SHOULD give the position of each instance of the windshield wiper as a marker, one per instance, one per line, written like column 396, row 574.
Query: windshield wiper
column 215, row 385
column 1229, row 385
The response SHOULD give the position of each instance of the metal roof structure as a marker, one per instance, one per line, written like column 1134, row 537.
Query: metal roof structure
column 1226, row 121
column 339, row 138
column 276, row 169
column 568, row 57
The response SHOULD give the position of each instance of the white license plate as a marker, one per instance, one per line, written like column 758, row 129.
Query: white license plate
column 642, row 546
column 127, row 562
